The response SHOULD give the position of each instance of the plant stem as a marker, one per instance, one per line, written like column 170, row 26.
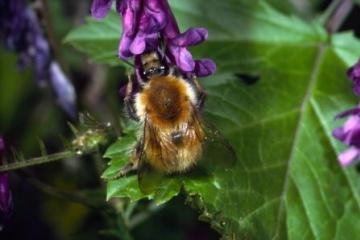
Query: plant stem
column 142, row 216
column 128, row 211
column 339, row 11
column 124, row 230
column 21, row 163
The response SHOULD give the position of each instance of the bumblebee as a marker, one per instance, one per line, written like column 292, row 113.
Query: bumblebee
column 168, row 105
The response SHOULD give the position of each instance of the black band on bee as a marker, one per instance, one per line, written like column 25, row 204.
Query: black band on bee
column 177, row 137
column 160, row 70
column 153, row 64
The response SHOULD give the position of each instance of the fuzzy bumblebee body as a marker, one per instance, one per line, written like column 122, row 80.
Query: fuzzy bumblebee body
column 173, row 132
column 174, row 137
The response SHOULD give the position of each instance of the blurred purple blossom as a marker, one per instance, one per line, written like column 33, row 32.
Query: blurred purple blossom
column 13, row 23
column 5, row 194
column 100, row 8
column 150, row 24
column 22, row 33
column 349, row 134
column 63, row 88
column 354, row 75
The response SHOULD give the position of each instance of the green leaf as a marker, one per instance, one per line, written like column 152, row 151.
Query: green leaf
column 287, row 182
column 99, row 39
column 347, row 47
column 119, row 153
column 15, row 88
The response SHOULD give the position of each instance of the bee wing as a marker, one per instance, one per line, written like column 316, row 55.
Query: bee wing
column 217, row 149
column 148, row 177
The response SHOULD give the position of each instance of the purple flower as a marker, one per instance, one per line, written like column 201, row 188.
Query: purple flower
column 22, row 33
column 100, row 8
column 149, row 25
column 349, row 134
column 63, row 88
column 38, row 49
column 354, row 75
column 5, row 194
column 12, row 24
column 182, row 58
column 142, row 23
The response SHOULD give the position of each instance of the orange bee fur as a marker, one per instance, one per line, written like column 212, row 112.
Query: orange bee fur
column 173, row 132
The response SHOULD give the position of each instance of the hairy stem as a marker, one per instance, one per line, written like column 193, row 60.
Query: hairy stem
column 22, row 163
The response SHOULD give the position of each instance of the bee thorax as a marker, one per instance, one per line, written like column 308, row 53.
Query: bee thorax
column 165, row 101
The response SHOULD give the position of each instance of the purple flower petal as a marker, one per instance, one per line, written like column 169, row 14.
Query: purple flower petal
column 152, row 42
column 171, row 29
column 153, row 17
column 2, row 146
column 138, row 44
column 23, row 33
column 204, row 67
column 100, row 8
column 349, row 134
column 348, row 156
column 339, row 134
column 131, row 17
column 354, row 74
column 354, row 71
column 41, row 59
column 149, row 25
column 129, row 21
column 352, row 123
column 124, row 47
column 120, row 5
column 356, row 87
column 192, row 36
column 183, row 58
column 5, row 194
column 349, row 112
column 63, row 88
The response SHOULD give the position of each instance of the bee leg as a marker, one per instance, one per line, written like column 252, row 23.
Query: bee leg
column 174, row 71
column 202, row 93
column 132, row 165
column 127, row 101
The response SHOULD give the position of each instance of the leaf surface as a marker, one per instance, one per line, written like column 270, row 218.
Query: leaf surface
column 287, row 183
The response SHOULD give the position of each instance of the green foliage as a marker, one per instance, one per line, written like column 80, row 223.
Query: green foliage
column 89, row 136
column 99, row 39
column 14, row 88
column 127, row 187
column 287, row 182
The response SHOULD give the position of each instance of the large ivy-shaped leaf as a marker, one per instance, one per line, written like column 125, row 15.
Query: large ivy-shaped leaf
column 287, row 182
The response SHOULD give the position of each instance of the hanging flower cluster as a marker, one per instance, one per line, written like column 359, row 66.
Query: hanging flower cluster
column 5, row 194
column 22, row 33
column 354, row 75
column 149, row 25
column 349, row 134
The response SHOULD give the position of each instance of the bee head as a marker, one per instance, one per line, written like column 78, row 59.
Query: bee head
column 152, row 65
